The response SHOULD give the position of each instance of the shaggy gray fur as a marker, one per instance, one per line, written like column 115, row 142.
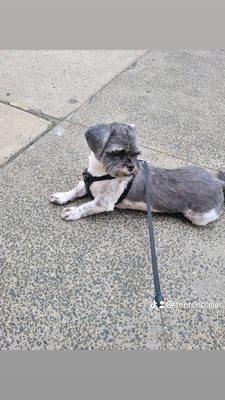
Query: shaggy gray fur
column 115, row 145
column 173, row 190
column 179, row 190
column 189, row 190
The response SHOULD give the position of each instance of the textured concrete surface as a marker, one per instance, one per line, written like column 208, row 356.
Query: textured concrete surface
column 88, row 284
column 69, row 285
column 177, row 100
column 57, row 82
column 17, row 130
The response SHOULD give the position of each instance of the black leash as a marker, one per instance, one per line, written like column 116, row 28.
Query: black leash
column 159, row 299
column 89, row 179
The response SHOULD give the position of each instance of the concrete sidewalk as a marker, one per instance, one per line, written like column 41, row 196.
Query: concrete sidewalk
column 88, row 284
column 43, row 87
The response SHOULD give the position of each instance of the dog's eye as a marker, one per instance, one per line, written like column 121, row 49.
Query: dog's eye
column 118, row 153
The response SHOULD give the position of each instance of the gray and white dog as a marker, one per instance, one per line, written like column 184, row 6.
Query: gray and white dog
column 189, row 190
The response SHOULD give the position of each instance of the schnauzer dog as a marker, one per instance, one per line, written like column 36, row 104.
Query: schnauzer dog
column 115, row 178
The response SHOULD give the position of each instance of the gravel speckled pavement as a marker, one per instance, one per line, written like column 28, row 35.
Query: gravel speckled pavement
column 88, row 284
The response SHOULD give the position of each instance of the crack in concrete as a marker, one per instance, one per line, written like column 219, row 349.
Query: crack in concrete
column 177, row 158
column 55, row 121
column 36, row 139
column 154, row 149
column 36, row 113
column 90, row 99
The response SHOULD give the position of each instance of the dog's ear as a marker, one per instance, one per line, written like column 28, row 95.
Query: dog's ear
column 97, row 137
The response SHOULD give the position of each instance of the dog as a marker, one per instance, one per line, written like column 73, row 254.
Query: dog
column 116, row 179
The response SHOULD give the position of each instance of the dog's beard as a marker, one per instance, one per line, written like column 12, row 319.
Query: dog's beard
column 117, row 170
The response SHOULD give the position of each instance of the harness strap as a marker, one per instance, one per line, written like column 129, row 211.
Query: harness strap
column 89, row 179
column 125, row 192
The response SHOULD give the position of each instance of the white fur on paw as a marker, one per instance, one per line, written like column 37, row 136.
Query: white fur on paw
column 59, row 198
column 70, row 213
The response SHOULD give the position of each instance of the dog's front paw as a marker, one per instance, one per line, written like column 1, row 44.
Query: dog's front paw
column 59, row 198
column 71, row 213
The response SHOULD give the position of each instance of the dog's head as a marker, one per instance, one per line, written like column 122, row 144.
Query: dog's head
column 115, row 145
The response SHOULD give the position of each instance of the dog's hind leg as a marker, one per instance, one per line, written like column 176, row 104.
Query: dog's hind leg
column 202, row 218
column 64, row 197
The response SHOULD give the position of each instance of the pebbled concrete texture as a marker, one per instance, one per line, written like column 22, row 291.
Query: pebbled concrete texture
column 176, row 99
column 68, row 286
column 17, row 130
column 88, row 284
column 58, row 82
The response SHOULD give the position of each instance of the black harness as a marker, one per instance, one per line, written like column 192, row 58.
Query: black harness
column 89, row 179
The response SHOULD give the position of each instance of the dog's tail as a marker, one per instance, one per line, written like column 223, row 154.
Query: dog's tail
column 221, row 176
